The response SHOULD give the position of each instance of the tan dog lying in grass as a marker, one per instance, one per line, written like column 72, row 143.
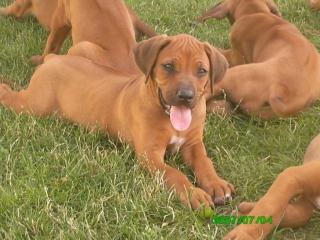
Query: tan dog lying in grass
column 274, row 68
column 302, row 181
column 163, row 109
column 91, row 21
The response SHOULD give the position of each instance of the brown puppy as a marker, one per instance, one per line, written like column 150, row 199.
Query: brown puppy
column 43, row 10
column 93, row 37
column 101, row 22
column 315, row 4
column 276, row 69
column 302, row 181
column 165, row 108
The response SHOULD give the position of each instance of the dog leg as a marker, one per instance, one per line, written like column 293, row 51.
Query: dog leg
column 38, row 99
column 18, row 8
column 60, row 29
column 296, row 214
column 153, row 161
column 290, row 183
column 207, row 178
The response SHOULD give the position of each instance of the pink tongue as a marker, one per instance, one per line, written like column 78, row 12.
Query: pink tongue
column 180, row 117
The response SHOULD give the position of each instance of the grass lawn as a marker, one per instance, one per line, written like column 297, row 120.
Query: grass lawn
column 61, row 181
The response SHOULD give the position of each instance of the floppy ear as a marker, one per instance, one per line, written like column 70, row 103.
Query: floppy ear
column 218, row 65
column 147, row 52
column 273, row 7
column 219, row 11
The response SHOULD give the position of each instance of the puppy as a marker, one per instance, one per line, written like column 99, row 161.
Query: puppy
column 110, row 25
column 101, row 31
column 302, row 181
column 162, row 109
column 274, row 69
column 43, row 10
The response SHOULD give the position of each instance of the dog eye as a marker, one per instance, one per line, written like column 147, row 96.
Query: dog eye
column 169, row 67
column 202, row 72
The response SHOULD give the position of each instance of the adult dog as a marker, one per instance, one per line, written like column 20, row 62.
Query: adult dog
column 275, row 68
column 302, row 181
column 164, row 108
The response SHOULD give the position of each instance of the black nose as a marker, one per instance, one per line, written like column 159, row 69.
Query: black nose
column 185, row 95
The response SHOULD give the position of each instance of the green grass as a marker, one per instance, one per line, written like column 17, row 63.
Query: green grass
column 60, row 181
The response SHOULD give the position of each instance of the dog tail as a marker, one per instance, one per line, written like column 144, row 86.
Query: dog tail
column 11, row 83
column 140, row 26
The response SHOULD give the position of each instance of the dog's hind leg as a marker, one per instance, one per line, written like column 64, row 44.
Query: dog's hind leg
column 18, row 8
column 38, row 99
column 60, row 29
column 296, row 214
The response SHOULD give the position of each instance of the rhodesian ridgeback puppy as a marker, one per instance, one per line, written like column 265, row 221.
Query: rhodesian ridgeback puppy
column 101, row 22
column 274, row 68
column 302, row 182
column 43, row 10
column 108, row 44
column 164, row 108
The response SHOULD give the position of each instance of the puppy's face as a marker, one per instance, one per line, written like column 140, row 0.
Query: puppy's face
column 183, row 69
column 232, row 9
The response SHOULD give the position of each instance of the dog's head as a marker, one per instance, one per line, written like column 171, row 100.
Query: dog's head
column 182, row 69
column 232, row 9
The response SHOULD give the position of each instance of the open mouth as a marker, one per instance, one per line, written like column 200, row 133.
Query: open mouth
column 180, row 117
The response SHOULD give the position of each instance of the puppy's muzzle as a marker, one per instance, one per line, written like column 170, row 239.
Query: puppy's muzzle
column 185, row 96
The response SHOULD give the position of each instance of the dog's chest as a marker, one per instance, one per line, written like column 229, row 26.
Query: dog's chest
column 175, row 143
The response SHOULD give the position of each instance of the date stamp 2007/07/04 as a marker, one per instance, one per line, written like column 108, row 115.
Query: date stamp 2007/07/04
column 236, row 220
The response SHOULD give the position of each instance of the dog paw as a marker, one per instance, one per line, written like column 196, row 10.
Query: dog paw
column 219, row 189
column 37, row 60
column 4, row 90
column 239, row 233
column 245, row 207
column 196, row 198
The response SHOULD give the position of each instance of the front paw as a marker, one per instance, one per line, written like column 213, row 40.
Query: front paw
column 220, row 190
column 196, row 198
column 239, row 233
